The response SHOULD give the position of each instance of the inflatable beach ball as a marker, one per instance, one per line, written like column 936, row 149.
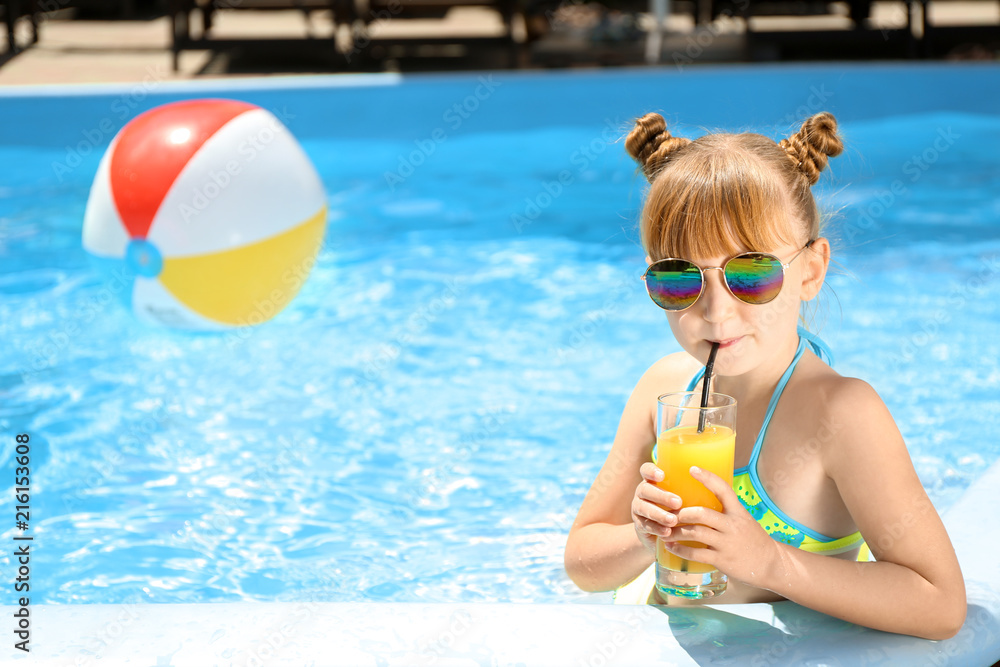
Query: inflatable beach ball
column 208, row 212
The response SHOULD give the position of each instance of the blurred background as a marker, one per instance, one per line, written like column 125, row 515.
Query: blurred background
column 64, row 41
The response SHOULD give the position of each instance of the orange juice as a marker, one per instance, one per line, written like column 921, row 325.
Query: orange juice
column 678, row 449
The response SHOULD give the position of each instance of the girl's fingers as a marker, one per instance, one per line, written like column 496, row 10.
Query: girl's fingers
column 651, row 473
column 703, row 515
column 652, row 507
column 693, row 533
column 690, row 553
column 654, row 513
column 655, row 494
column 724, row 492
column 660, row 516
column 653, row 528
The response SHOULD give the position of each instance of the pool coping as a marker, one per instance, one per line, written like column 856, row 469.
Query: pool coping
column 375, row 633
column 378, row 79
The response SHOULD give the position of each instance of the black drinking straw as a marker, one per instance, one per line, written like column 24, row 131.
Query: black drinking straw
column 705, row 389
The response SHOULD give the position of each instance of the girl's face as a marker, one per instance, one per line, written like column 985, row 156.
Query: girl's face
column 750, row 335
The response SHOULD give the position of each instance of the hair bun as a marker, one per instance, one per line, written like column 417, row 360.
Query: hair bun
column 651, row 145
column 812, row 144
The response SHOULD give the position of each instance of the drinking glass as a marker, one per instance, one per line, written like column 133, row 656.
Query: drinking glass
column 680, row 444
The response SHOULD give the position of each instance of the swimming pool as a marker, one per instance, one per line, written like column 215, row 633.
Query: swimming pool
column 423, row 421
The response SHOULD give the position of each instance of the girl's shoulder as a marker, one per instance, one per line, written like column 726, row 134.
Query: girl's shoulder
column 826, row 388
column 671, row 373
column 854, row 430
column 849, row 408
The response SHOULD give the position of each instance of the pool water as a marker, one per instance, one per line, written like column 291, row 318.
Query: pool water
column 423, row 421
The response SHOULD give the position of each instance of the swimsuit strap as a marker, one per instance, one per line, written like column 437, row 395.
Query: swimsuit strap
column 757, row 484
column 819, row 347
column 694, row 381
column 778, row 390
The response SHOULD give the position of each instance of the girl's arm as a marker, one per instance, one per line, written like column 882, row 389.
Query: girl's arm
column 605, row 549
column 916, row 585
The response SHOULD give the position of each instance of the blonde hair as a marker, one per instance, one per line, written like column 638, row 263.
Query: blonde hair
column 723, row 192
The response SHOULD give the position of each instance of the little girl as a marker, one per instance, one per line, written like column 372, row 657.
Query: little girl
column 821, row 467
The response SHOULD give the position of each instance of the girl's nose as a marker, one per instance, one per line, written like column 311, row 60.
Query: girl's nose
column 716, row 301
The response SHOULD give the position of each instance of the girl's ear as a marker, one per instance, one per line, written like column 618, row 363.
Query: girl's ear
column 816, row 261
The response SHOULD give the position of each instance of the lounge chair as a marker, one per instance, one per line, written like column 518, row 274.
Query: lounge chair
column 181, row 12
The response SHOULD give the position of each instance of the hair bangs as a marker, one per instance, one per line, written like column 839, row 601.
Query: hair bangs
column 716, row 208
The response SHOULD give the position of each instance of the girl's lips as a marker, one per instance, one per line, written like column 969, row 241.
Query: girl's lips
column 729, row 342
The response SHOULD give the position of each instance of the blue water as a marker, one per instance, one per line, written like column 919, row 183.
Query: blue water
column 424, row 420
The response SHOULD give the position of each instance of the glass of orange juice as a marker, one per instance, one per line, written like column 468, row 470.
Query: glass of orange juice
column 680, row 445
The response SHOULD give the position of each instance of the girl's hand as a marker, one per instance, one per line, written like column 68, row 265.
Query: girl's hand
column 735, row 543
column 654, row 511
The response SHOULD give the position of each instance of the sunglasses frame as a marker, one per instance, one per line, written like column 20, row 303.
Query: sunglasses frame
column 784, row 266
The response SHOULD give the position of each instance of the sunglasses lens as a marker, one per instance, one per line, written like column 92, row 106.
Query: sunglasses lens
column 674, row 284
column 754, row 278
